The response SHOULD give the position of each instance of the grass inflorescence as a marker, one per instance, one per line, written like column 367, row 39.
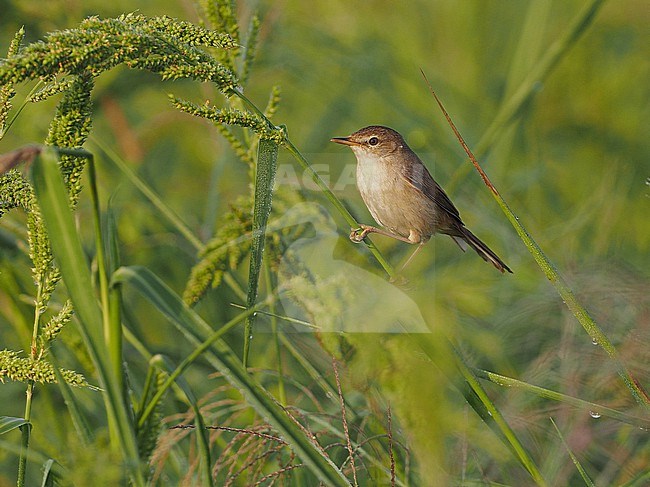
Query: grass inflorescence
column 212, row 349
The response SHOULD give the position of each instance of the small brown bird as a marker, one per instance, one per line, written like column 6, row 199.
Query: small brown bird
column 403, row 197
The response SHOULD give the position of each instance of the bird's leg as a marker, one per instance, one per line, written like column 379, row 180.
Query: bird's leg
column 358, row 234
column 411, row 256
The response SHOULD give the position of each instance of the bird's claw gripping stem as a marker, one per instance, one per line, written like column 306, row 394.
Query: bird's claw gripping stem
column 358, row 234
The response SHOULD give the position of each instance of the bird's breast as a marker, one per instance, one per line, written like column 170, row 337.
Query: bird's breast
column 391, row 200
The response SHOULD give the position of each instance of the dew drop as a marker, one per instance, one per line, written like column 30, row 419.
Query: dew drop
column 594, row 341
column 594, row 414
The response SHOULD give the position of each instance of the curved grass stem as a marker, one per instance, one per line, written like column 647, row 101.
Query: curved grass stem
column 551, row 272
column 322, row 185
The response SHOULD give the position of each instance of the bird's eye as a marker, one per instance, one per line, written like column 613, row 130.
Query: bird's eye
column 373, row 141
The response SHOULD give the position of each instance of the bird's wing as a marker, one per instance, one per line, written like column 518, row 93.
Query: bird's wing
column 419, row 177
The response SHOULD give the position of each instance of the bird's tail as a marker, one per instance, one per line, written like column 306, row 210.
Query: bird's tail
column 481, row 249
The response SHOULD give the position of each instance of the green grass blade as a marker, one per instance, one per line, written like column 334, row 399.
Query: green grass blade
column 468, row 384
column 164, row 299
column 267, row 161
column 371, row 454
column 66, row 246
column 314, row 374
column 78, row 419
column 175, row 374
column 322, row 186
column 497, row 422
column 502, row 380
column 271, row 284
column 203, row 441
column 222, row 358
column 530, row 84
column 202, row 436
column 48, row 474
column 112, row 327
column 582, row 315
column 338, row 204
column 33, row 456
column 9, row 423
column 576, row 462
column 641, row 480
column 165, row 210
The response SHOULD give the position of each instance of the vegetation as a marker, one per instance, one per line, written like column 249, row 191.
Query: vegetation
column 178, row 297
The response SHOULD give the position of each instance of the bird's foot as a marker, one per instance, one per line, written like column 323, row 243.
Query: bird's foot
column 358, row 234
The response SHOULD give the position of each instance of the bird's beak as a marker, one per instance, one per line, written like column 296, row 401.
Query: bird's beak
column 343, row 140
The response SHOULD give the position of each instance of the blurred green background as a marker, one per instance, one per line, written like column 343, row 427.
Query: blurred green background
column 573, row 165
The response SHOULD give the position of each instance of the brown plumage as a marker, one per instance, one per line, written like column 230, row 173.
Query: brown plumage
column 402, row 196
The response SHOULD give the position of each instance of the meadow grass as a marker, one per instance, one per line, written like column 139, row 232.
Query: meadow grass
column 205, row 374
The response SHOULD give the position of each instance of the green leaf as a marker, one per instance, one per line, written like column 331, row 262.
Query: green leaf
column 66, row 246
column 267, row 159
column 8, row 423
